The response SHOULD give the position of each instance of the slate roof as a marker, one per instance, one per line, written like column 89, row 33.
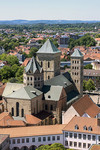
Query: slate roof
column 52, row 92
column 33, row 66
column 60, row 80
column 77, row 53
column 10, row 87
column 48, row 47
column 27, row 92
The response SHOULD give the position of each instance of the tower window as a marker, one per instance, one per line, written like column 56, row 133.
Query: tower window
column 48, row 77
column 49, row 96
column 17, row 109
column 48, row 64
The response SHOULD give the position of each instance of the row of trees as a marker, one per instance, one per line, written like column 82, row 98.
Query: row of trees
column 86, row 41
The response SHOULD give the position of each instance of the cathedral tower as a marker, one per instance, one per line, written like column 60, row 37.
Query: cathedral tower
column 48, row 57
column 33, row 74
column 77, row 70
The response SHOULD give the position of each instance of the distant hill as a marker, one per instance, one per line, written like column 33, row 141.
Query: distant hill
column 12, row 22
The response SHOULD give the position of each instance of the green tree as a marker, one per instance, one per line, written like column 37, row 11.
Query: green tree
column 84, row 85
column 88, row 66
column 32, row 52
column 90, row 86
column 12, row 60
column 6, row 72
column 14, row 69
column 19, row 74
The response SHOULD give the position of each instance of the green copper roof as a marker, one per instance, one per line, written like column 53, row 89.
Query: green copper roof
column 33, row 66
column 48, row 47
column 77, row 53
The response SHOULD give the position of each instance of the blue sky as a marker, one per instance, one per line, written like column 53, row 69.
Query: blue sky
column 50, row 9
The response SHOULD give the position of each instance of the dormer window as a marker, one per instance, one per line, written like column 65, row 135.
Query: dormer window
column 90, row 128
column 76, row 127
column 49, row 96
column 84, row 128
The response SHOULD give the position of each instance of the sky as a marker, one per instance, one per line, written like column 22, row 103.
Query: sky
column 50, row 9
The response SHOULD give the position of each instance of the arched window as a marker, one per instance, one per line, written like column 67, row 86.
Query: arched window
column 48, row 64
column 12, row 111
column 17, row 109
column 22, row 112
column 48, row 77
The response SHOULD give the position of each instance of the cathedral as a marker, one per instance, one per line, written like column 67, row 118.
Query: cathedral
column 44, row 88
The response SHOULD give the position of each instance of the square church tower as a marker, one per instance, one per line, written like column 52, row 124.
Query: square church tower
column 48, row 57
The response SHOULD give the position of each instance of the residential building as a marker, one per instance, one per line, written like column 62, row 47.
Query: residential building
column 4, row 142
column 84, row 107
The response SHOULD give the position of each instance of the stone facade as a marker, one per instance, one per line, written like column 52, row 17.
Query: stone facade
column 50, row 64
column 36, row 80
column 77, row 73
column 19, row 107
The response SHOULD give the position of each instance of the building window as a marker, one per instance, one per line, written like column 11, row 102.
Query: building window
column 48, row 77
column 13, row 141
column 70, row 143
column 33, row 139
column 49, row 138
column 58, row 137
column 39, row 139
column 12, row 111
column 35, row 78
column 98, row 138
column 51, row 107
column 73, row 62
column 77, row 67
column 38, row 85
column 76, row 127
column 27, row 78
column 23, row 140
column 70, row 135
column 79, row 136
column 89, row 137
column 79, row 144
column 53, row 138
column 66, row 143
column 46, row 107
column 77, row 62
column 49, row 96
column 31, row 78
column 84, row 128
column 75, row 144
column 75, row 135
column 90, row 128
column 44, row 138
column 89, row 145
column 66, row 134
column 93, row 138
column 27, row 140
column 18, row 140
column 84, row 145
column 17, row 109
column 22, row 112
column 48, row 64
column 38, row 78
column 84, row 136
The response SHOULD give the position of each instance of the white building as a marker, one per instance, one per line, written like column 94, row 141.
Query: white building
column 80, row 133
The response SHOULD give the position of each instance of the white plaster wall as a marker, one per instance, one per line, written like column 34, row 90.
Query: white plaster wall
column 80, row 140
column 68, row 115
column 36, row 143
